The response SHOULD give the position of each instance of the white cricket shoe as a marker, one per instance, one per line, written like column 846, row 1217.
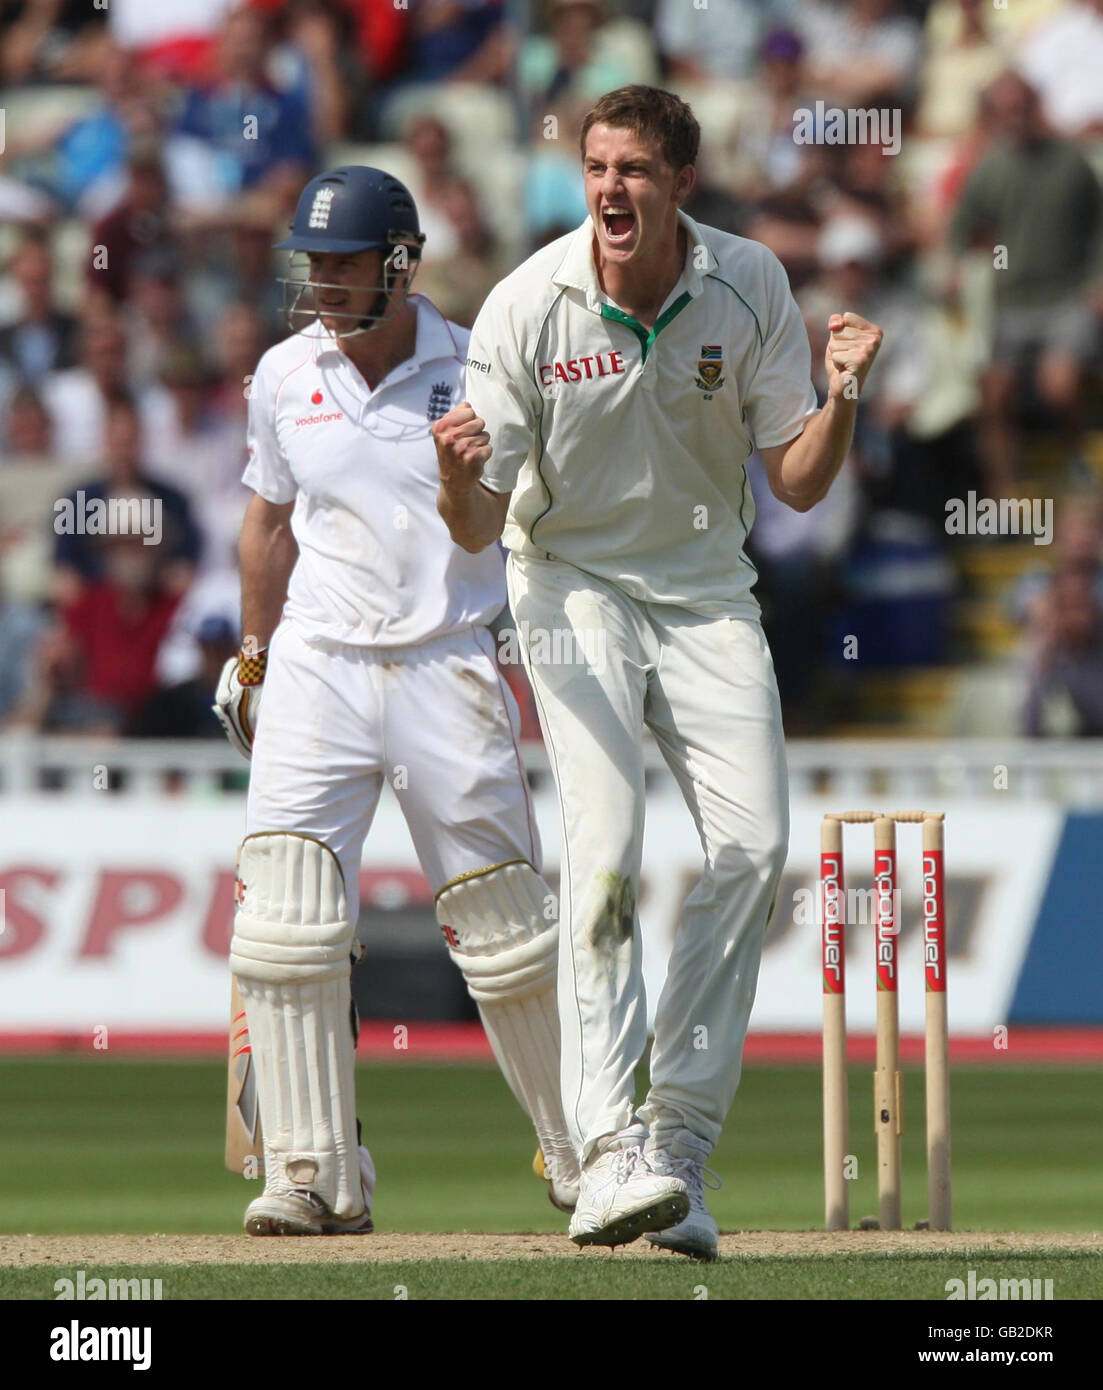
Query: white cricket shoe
column 683, row 1155
column 300, row 1212
column 620, row 1196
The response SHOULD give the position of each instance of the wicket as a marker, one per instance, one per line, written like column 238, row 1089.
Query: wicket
column 887, row 1094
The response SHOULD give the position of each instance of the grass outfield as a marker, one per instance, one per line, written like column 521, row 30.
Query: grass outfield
column 99, row 1145
column 96, row 1145
column 1077, row 1276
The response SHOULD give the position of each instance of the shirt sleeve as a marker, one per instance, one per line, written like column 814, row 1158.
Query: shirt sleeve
column 973, row 210
column 781, row 395
column 268, row 472
column 502, row 391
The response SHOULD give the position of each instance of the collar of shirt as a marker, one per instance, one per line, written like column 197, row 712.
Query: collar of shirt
column 434, row 340
column 577, row 269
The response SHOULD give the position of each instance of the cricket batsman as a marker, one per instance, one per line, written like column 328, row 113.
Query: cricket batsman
column 616, row 384
column 366, row 657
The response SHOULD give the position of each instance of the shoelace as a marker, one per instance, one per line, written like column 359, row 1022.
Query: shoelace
column 626, row 1160
column 694, row 1174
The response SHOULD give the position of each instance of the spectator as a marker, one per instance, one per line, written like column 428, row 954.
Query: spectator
column 320, row 65
column 382, row 36
column 31, row 481
column 27, row 431
column 860, row 52
column 239, row 341
column 1077, row 545
column 41, row 339
column 429, row 141
column 567, row 69
column 86, row 159
column 96, row 665
column 21, row 627
column 1035, row 195
column 42, row 39
column 76, row 398
column 798, row 557
column 964, row 55
column 768, row 159
column 175, row 40
column 458, row 41
column 458, row 284
column 242, row 148
column 79, row 552
column 1065, row 659
column 160, row 324
column 214, row 597
column 719, row 41
column 183, row 710
column 138, row 223
column 851, row 255
column 193, row 449
column 1063, row 61
column 345, row 53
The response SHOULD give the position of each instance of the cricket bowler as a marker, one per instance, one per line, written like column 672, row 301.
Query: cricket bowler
column 366, row 656
column 616, row 384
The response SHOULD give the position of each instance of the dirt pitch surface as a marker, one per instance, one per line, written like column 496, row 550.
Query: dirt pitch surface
column 84, row 1251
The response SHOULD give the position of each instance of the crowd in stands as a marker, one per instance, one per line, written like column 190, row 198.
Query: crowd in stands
column 153, row 152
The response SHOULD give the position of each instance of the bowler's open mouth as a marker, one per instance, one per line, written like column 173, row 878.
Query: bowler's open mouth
column 619, row 222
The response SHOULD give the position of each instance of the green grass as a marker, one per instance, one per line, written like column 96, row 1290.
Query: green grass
column 922, row 1276
column 98, row 1145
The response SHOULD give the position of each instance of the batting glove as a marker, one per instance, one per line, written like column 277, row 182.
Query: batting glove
column 237, row 700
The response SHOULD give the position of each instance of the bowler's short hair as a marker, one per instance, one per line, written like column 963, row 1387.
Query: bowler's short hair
column 652, row 114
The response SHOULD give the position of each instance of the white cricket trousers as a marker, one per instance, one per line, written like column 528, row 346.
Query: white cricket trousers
column 603, row 666
column 436, row 720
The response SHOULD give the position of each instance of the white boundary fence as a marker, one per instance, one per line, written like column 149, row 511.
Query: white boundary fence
column 903, row 772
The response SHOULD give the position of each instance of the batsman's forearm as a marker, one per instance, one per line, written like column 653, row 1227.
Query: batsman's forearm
column 813, row 462
column 267, row 557
column 474, row 516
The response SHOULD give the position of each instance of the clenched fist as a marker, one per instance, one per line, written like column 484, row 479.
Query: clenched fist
column 851, row 348
column 463, row 448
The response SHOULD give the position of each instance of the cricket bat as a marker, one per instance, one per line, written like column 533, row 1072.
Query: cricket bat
column 244, row 1146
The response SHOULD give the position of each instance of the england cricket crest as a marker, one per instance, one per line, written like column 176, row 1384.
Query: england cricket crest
column 319, row 211
column 440, row 400
column 710, row 368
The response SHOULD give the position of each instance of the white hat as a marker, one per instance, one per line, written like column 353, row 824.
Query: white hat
column 846, row 239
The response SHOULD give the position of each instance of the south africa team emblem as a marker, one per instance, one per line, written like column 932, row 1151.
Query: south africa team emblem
column 710, row 368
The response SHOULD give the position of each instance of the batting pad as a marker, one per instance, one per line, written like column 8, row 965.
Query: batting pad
column 290, row 953
column 507, row 950
column 292, row 921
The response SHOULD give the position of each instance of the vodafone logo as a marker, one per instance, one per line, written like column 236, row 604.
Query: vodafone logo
column 322, row 418
column 316, row 399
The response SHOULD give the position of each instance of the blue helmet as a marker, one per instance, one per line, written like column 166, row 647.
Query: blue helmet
column 343, row 212
column 353, row 208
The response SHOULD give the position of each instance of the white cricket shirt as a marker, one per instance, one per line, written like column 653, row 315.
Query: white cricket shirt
column 624, row 449
column 376, row 564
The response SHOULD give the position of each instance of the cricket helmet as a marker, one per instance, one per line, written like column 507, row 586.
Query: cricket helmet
column 353, row 208
column 344, row 211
